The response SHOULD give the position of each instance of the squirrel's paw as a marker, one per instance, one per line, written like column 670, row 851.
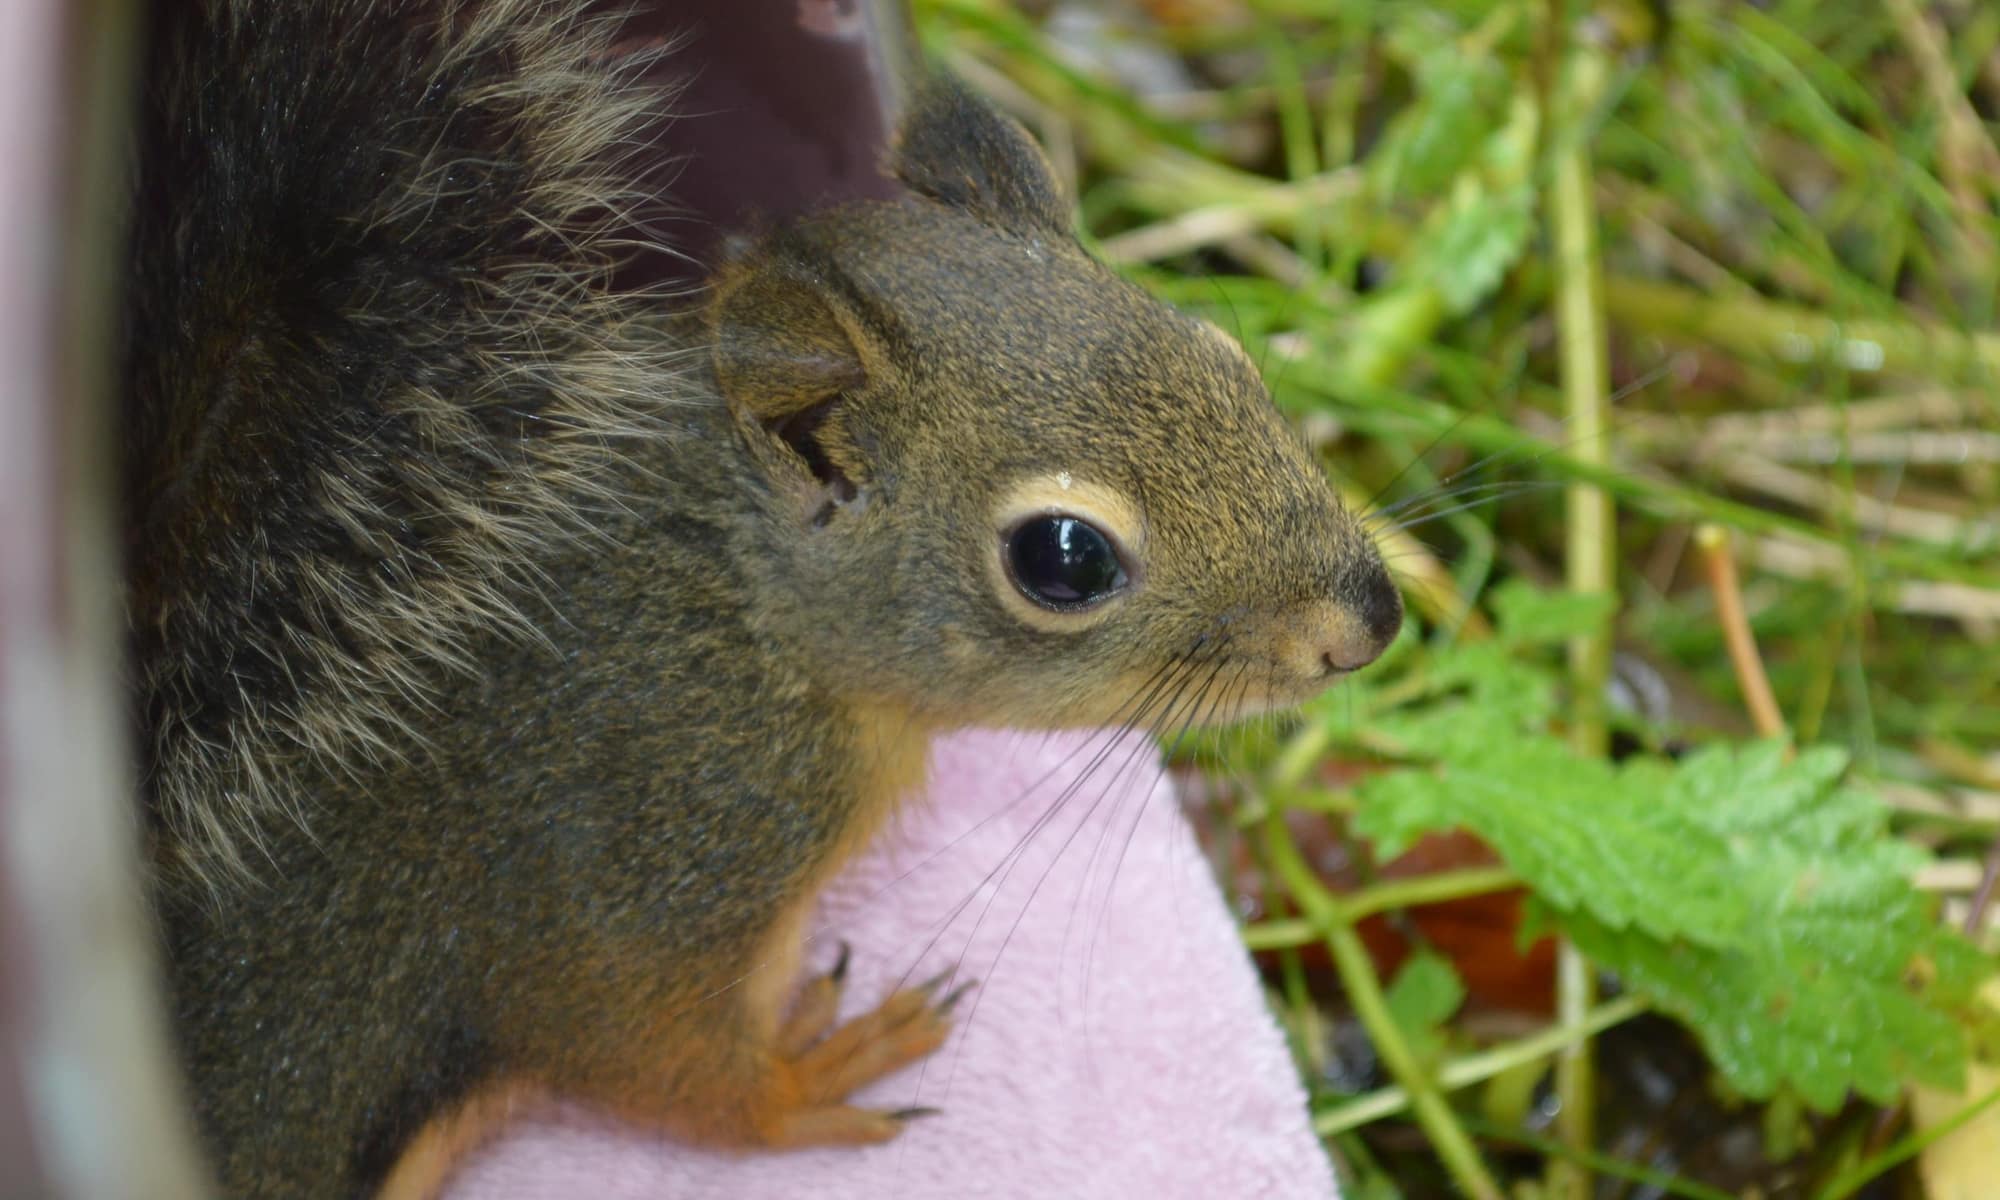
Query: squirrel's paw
column 824, row 1067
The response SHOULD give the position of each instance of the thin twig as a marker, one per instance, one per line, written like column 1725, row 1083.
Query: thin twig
column 1982, row 897
column 1713, row 543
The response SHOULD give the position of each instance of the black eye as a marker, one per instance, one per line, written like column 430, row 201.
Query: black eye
column 1062, row 562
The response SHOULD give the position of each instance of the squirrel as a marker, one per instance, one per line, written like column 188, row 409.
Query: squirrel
column 515, row 654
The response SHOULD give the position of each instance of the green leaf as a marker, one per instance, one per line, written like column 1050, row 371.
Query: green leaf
column 1426, row 992
column 1751, row 895
column 1460, row 101
column 1566, row 824
column 1529, row 616
column 1474, row 236
column 1811, row 1005
column 1473, row 242
column 1423, row 996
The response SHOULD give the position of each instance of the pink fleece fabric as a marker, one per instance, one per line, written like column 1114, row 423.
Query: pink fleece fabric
column 1117, row 1044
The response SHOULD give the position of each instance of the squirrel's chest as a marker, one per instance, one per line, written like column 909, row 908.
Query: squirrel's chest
column 889, row 751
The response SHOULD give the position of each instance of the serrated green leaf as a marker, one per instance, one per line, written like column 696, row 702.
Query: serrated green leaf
column 1568, row 826
column 1444, row 730
column 1807, row 1007
column 1492, row 675
column 1470, row 240
column 1749, row 894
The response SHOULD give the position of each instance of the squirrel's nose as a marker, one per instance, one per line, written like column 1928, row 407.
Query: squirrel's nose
column 1351, row 629
column 1378, row 602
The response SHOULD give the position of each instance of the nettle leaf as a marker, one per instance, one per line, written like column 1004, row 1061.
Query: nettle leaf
column 1444, row 730
column 1469, row 241
column 1814, row 1006
column 1751, row 895
column 1566, row 824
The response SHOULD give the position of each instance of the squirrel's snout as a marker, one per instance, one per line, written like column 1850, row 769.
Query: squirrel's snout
column 1349, row 630
column 1379, row 604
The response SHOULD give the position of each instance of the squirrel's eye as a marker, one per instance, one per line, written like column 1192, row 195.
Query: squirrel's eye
column 1062, row 562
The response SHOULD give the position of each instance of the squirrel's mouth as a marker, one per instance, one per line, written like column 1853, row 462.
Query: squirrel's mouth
column 1228, row 691
column 1271, row 696
column 1216, row 683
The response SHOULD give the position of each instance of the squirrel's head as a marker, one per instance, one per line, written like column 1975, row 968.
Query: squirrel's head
column 1005, row 486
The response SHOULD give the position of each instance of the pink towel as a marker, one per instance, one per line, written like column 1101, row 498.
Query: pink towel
column 1117, row 1044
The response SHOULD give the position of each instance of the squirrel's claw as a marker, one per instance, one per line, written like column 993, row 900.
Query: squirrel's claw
column 821, row 1071
column 816, row 1008
column 955, row 995
column 907, row 1115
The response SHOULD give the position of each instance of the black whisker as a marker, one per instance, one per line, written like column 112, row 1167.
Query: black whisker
column 1197, row 714
column 1442, row 489
column 1148, row 687
column 1191, row 713
column 1420, row 456
column 1502, row 487
column 1477, row 502
column 1188, row 662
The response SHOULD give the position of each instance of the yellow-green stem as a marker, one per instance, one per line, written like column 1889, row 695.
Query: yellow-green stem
column 1480, row 1067
column 1905, row 1148
column 1364, row 991
column 1357, row 906
column 1583, row 357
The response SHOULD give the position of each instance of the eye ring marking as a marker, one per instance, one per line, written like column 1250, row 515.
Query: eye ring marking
column 1061, row 494
column 1063, row 562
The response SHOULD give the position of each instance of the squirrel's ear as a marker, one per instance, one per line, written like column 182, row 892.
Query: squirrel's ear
column 781, row 343
column 960, row 151
column 786, row 352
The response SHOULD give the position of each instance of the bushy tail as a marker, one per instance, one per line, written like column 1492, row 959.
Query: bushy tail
column 375, row 360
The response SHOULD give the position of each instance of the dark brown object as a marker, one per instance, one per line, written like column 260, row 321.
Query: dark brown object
column 789, row 112
column 1479, row 935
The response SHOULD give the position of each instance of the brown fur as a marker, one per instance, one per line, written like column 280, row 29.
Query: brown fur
column 584, row 866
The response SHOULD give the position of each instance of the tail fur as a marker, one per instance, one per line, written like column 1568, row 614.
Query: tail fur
column 375, row 360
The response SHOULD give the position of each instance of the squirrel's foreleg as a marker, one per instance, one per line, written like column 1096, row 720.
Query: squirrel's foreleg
column 734, row 1070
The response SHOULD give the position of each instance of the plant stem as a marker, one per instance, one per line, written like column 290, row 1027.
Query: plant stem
column 1478, row 1068
column 1591, row 531
column 1765, row 716
column 1662, row 1182
column 1364, row 990
column 1299, row 756
column 1284, row 934
column 1791, row 334
column 1427, row 889
column 1858, row 1177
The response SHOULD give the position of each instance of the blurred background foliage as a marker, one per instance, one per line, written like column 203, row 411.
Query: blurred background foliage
column 1660, row 342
